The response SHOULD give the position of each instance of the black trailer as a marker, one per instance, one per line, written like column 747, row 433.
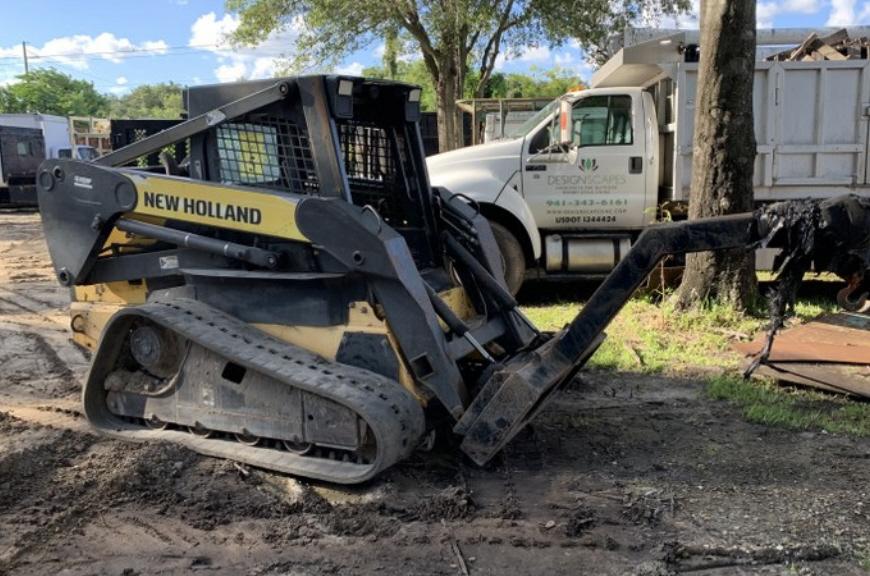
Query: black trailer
column 21, row 152
column 129, row 131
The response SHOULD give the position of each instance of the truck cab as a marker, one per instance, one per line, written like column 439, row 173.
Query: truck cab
column 568, row 189
column 79, row 152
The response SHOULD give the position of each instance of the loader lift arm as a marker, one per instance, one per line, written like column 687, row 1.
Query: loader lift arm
column 835, row 233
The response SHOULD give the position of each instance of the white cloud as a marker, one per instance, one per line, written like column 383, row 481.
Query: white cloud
column 13, row 52
column 211, row 33
column 802, row 6
column 690, row 18
column 765, row 12
column 686, row 21
column 352, row 69
column 534, row 54
column 522, row 54
column 574, row 63
column 231, row 72
column 842, row 13
column 500, row 61
column 263, row 67
column 120, row 86
column 76, row 50
column 565, row 58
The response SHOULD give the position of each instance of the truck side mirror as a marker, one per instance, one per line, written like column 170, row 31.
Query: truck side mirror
column 566, row 136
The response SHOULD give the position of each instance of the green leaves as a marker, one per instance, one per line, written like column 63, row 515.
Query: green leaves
column 149, row 101
column 48, row 91
column 458, row 40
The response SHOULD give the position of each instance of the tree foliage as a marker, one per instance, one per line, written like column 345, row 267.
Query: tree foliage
column 539, row 84
column 457, row 39
column 48, row 91
column 149, row 101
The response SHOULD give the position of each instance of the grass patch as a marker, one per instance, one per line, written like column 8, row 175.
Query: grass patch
column 767, row 403
column 652, row 337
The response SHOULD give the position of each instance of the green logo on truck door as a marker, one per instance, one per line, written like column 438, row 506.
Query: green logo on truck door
column 588, row 164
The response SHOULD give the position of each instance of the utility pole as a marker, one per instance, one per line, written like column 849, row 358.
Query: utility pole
column 24, row 51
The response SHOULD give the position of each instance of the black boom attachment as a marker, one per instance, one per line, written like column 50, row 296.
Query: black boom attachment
column 833, row 233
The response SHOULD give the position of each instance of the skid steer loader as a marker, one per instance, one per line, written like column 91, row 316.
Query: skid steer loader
column 297, row 297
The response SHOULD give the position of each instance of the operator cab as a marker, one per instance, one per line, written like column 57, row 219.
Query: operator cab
column 366, row 149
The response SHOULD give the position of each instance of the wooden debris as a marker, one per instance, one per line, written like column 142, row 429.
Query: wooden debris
column 836, row 46
column 459, row 557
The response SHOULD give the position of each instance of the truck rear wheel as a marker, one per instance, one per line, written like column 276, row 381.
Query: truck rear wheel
column 513, row 256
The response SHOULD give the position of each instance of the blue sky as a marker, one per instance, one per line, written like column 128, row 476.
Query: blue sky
column 121, row 44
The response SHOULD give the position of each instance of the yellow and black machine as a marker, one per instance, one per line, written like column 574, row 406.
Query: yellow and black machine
column 296, row 296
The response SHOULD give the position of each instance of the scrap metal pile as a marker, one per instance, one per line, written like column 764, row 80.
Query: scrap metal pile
column 836, row 46
column 831, row 352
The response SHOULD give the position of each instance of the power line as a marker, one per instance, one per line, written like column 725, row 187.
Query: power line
column 125, row 53
column 167, row 51
column 101, row 83
column 154, row 50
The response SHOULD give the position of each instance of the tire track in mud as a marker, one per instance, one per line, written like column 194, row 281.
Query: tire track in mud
column 30, row 363
column 43, row 341
column 60, row 415
column 58, row 365
column 14, row 302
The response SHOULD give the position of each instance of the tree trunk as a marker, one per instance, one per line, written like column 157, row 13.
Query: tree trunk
column 724, row 150
column 448, row 89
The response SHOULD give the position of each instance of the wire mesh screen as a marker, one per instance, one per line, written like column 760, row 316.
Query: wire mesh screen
column 271, row 152
column 373, row 170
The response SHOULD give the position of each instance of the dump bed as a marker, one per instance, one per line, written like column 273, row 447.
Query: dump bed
column 810, row 128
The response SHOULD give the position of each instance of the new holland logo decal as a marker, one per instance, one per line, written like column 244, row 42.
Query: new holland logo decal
column 588, row 164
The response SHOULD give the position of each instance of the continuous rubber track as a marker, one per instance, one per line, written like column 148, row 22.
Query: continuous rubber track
column 393, row 415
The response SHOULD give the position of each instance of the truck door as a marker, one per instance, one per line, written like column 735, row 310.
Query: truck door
column 601, row 183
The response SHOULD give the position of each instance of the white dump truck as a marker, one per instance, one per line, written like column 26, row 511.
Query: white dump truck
column 56, row 133
column 570, row 189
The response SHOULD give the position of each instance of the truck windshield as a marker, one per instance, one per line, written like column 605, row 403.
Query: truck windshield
column 532, row 122
column 87, row 153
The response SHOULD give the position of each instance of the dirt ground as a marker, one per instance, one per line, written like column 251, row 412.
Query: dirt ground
column 623, row 474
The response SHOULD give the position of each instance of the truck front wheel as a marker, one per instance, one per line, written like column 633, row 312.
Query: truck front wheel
column 512, row 255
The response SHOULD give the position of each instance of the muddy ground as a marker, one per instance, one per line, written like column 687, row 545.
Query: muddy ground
column 623, row 474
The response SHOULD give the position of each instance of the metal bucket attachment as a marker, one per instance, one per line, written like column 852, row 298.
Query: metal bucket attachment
column 514, row 394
